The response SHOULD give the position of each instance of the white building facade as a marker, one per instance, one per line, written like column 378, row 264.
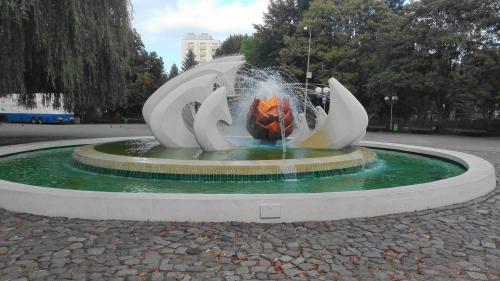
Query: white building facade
column 203, row 46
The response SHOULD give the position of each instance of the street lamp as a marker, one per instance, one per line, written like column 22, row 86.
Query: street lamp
column 308, row 74
column 391, row 100
column 325, row 91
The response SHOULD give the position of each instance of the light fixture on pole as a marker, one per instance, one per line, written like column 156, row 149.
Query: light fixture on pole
column 324, row 95
column 391, row 100
column 308, row 74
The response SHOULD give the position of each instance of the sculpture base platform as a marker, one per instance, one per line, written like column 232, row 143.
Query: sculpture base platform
column 177, row 165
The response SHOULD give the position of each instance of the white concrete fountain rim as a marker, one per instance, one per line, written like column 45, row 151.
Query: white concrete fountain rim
column 478, row 180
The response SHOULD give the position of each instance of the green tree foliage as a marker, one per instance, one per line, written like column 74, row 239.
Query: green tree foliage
column 396, row 5
column 147, row 75
column 303, row 5
column 450, row 39
column 343, row 36
column 189, row 61
column 280, row 20
column 174, row 71
column 231, row 45
column 439, row 56
column 76, row 48
column 249, row 48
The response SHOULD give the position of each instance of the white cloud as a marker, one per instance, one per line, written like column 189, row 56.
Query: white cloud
column 207, row 15
column 163, row 23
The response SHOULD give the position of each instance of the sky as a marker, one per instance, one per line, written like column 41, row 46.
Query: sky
column 163, row 23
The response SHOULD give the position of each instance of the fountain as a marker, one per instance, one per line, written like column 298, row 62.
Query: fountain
column 233, row 142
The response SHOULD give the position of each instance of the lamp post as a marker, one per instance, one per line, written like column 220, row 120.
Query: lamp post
column 308, row 74
column 391, row 100
column 325, row 91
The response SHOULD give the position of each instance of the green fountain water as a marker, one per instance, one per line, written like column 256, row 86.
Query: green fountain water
column 55, row 168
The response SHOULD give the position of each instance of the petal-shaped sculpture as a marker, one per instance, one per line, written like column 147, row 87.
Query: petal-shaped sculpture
column 345, row 124
column 321, row 117
column 225, row 69
column 302, row 132
column 163, row 110
column 206, row 130
column 166, row 121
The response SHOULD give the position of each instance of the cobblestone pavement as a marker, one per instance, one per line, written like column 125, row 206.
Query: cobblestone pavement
column 459, row 242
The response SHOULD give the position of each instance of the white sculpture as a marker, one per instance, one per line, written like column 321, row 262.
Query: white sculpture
column 225, row 68
column 302, row 131
column 345, row 124
column 213, row 110
column 163, row 110
column 321, row 116
column 166, row 119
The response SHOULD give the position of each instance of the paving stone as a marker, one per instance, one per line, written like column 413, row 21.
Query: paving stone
column 292, row 245
column 477, row 275
column 305, row 266
column 95, row 251
column 157, row 276
column 76, row 239
column 126, row 272
column 291, row 272
column 194, row 251
column 61, row 254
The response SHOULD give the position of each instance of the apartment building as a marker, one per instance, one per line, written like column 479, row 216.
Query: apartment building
column 203, row 46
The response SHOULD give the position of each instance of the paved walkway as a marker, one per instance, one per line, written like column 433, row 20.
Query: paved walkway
column 460, row 242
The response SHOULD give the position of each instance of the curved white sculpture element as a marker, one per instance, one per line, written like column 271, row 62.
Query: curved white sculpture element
column 206, row 130
column 345, row 124
column 321, row 117
column 225, row 68
column 163, row 110
column 302, row 132
column 166, row 121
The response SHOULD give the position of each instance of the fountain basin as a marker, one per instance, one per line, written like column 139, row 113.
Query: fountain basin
column 177, row 164
column 478, row 180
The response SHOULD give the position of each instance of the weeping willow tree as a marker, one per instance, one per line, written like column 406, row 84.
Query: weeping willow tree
column 77, row 49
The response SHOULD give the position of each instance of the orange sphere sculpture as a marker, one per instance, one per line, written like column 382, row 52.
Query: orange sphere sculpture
column 263, row 119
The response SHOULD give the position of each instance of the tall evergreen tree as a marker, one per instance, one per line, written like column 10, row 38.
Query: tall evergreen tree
column 79, row 49
column 189, row 61
column 174, row 71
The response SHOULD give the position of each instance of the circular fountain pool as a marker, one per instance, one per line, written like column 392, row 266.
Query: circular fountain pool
column 49, row 179
column 130, row 168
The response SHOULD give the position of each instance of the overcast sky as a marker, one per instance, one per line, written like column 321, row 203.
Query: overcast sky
column 163, row 23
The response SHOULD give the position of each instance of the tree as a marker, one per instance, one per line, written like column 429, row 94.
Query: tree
column 79, row 49
column 189, row 61
column 280, row 20
column 231, row 45
column 248, row 48
column 450, row 38
column 439, row 56
column 147, row 75
column 396, row 5
column 174, row 71
column 343, row 36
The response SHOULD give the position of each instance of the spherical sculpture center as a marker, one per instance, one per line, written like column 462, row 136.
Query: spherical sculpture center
column 270, row 119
